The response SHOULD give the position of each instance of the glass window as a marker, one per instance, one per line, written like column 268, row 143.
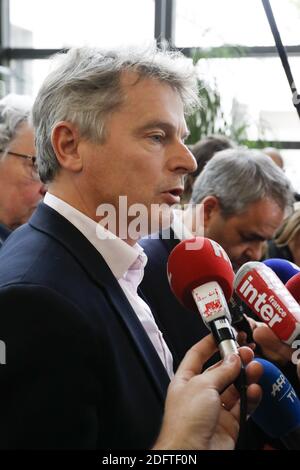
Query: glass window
column 255, row 93
column 291, row 165
column 66, row 23
column 202, row 23
column 26, row 76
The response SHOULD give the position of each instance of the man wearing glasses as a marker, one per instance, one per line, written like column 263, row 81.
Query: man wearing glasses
column 20, row 186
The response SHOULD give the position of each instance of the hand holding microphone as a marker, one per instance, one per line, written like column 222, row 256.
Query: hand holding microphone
column 198, row 415
column 202, row 280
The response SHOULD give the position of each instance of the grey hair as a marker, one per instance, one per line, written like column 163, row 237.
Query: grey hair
column 239, row 177
column 14, row 110
column 85, row 88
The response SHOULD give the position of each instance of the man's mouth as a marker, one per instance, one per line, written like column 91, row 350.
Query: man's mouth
column 173, row 194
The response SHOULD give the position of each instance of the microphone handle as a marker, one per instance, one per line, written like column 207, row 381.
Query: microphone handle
column 224, row 337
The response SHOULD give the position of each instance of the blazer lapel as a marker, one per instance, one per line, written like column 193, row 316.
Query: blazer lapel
column 47, row 220
column 4, row 233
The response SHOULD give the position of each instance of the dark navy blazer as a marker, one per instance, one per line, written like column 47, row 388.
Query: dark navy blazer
column 4, row 232
column 80, row 370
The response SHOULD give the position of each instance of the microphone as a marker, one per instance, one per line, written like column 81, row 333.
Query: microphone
column 278, row 413
column 283, row 268
column 293, row 286
column 202, row 280
column 259, row 287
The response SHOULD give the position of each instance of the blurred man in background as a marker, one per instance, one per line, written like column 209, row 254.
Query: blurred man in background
column 242, row 198
column 20, row 186
column 203, row 151
column 275, row 155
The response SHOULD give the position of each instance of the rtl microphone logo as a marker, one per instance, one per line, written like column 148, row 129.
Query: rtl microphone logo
column 210, row 300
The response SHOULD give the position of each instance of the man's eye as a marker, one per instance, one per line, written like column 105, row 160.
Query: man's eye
column 251, row 239
column 245, row 238
column 157, row 137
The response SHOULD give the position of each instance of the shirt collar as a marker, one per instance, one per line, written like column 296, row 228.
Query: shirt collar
column 118, row 255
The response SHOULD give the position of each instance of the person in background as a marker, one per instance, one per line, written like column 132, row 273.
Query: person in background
column 286, row 243
column 20, row 187
column 275, row 155
column 203, row 151
column 88, row 367
column 277, row 158
column 242, row 197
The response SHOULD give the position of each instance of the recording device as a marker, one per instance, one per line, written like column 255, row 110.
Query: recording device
column 202, row 280
column 283, row 268
column 259, row 287
column 278, row 413
column 293, row 286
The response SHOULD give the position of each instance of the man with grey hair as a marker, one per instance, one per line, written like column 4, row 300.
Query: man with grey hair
column 87, row 366
column 203, row 151
column 242, row 198
column 20, row 186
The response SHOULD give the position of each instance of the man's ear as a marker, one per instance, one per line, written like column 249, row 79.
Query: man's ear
column 65, row 142
column 211, row 206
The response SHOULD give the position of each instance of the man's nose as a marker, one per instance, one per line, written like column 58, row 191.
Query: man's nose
column 255, row 250
column 183, row 161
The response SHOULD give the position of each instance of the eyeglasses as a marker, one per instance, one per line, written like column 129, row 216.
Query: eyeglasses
column 22, row 155
column 33, row 168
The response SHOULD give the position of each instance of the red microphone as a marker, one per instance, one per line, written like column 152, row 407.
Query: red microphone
column 259, row 287
column 293, row 286
column 202, row 280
